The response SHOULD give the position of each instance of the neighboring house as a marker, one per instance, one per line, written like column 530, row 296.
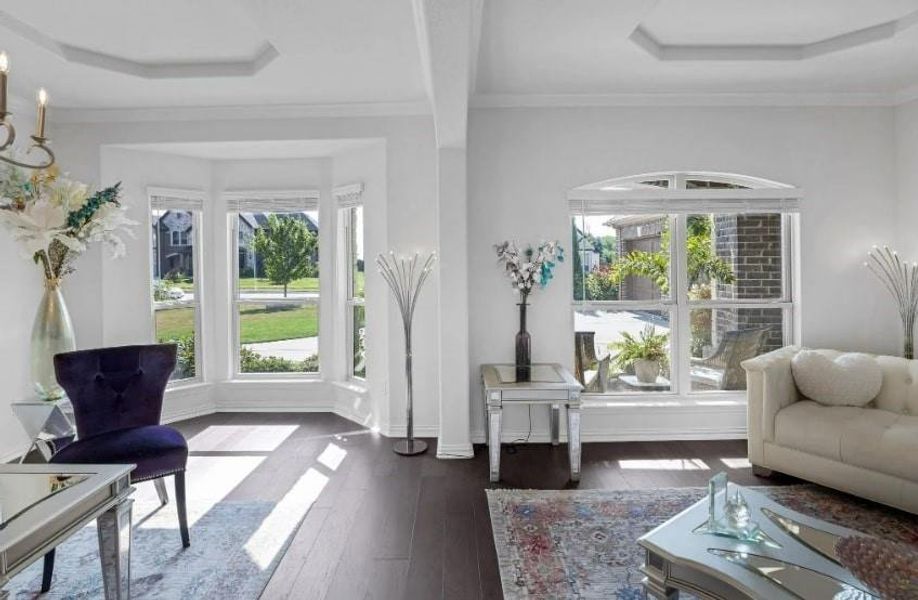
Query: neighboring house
column 249, row 223
column 173, row 238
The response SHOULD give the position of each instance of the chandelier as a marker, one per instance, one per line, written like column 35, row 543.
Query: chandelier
column 39, row 140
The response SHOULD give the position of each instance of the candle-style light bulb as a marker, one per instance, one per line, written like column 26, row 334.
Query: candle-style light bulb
column 42, row 105
column 4, row 69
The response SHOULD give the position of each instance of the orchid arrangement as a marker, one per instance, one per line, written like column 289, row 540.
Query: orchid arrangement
column 56, row 218
column 530, row 266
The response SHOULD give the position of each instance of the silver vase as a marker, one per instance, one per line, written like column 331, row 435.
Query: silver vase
column 52, row 334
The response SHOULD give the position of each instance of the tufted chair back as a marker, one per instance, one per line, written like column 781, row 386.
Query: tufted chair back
column 115, row 388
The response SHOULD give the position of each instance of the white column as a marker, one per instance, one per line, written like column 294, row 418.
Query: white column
column 453, row 292
column 329, row 338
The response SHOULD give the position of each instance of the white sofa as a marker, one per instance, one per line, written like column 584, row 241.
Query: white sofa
column 871, row 452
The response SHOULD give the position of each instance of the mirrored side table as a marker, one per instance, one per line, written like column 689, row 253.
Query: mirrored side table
column 49, row 424
column 551, row 385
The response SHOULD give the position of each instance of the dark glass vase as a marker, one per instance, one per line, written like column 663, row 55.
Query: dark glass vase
column 523, row 348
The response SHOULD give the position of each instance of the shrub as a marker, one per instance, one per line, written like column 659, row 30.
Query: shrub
column 253, row 362
column 160, row 290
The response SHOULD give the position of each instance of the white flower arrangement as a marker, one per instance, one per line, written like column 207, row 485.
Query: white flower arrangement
column 529, row 267
column 56, row 218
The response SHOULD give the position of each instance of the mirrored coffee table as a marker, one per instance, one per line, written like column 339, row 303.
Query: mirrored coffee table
column 797, row 561
column 43, row 505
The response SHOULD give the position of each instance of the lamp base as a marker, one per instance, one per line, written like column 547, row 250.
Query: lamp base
column 409, row 447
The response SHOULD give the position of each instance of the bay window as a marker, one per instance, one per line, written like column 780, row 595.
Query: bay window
column 175, row 226
column 276, row 286
column 678, row 278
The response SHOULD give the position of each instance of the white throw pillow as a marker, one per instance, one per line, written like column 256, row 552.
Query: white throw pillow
column 850, row 380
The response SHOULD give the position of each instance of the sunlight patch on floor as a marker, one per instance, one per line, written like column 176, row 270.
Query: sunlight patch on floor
column 264, row 545
column 737, row 463
column 241, row 438
column 208, row 480
column 665, row 464
column 332, row 456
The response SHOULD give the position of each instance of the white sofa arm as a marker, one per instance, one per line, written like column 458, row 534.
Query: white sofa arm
column 769, row 388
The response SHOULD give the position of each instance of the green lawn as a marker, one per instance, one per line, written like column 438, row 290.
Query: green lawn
column 306, row 284
column 257, row 323
column 250, row 284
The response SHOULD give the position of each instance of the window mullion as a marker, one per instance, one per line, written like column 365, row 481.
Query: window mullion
column 681, row 330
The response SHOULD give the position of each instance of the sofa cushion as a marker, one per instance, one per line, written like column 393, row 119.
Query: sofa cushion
column 841, row 380
column 886, row 442
column 900, row 385
column 811, row 427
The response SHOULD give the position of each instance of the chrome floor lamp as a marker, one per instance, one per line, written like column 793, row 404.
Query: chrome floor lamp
column 406, row 277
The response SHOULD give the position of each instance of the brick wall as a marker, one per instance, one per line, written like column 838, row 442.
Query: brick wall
column 752, row 244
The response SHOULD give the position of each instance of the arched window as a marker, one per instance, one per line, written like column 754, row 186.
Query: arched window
column 678, row 278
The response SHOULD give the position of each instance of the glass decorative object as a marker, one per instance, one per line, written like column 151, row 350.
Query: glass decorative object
column 729, row 514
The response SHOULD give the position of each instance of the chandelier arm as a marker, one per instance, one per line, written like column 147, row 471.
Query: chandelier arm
column 40, row 165
column 10, row 134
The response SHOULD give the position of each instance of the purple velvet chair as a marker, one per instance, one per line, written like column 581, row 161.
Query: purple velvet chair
column 117, row 397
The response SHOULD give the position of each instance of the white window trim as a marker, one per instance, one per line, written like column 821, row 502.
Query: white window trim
column 160, row 198
column 275, row 201
column 677, row 203
column 351, row 301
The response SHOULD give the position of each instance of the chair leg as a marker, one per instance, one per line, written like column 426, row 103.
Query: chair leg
column 180, row 505
column 48, row 572
column 161, row 491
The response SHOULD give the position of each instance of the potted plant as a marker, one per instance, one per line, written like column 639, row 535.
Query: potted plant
column 645, row 354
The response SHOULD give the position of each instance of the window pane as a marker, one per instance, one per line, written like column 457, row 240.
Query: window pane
column 358, row 344
column 176, row 326
column 278, row 255
column 613, row 347
column 279, row 338
column 173, row 255
column 705, row 184
column 733, row 257
column 723, row 338
column 357, row 258
column 621, row 257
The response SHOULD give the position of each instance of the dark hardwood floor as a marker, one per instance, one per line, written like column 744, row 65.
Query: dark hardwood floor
column 386, row 526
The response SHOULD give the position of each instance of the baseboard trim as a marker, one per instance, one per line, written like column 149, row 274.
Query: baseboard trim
column 455, row 451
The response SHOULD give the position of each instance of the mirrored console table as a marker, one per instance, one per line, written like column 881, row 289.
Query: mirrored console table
column 43, row 505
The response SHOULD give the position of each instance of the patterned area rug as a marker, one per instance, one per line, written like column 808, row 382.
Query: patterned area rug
column 235, row 545
column 581, row 543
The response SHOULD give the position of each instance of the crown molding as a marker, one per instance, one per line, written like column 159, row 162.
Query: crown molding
column 662, row 51
column 238, row 113
column 768, row 99
column 145, row 70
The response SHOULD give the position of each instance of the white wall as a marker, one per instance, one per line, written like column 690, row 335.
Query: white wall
column 907, row 170
column 523, row 161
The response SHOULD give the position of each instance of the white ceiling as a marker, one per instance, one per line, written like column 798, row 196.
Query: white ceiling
column 584, row 47
column 340, row 51
column 132, row 54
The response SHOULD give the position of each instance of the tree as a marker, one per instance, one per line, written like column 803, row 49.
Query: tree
column 286, row 247
column 703, row 263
